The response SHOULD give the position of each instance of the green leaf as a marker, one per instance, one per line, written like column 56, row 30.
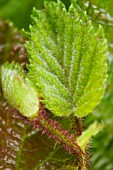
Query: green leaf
column 101, row 11
column 67, row 58
column 18, row 90
column 85, row 138
column 19, row 141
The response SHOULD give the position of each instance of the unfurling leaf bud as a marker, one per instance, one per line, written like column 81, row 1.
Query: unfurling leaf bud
column 18, row 90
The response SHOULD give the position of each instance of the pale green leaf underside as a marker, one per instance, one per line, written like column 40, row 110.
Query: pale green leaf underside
column 67, row 59
column 18, row 90
column 92, row 130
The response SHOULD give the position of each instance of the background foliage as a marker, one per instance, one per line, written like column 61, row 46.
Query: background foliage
column 19, row 142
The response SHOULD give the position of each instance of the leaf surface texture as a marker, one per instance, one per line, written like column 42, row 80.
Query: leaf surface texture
column 67, row 58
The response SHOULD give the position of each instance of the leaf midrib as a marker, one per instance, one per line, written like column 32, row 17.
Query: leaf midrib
column 19, row 154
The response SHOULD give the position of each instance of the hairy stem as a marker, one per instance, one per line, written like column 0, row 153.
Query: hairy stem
column 78, row 125
column 51, row 128
column 66, row 140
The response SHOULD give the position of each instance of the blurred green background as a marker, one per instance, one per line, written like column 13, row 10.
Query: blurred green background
column 19, row 11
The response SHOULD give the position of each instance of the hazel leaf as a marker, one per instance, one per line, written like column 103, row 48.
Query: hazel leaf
column 18, row 90
column 85, row 138
column 19, row 140
column 67, row 59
